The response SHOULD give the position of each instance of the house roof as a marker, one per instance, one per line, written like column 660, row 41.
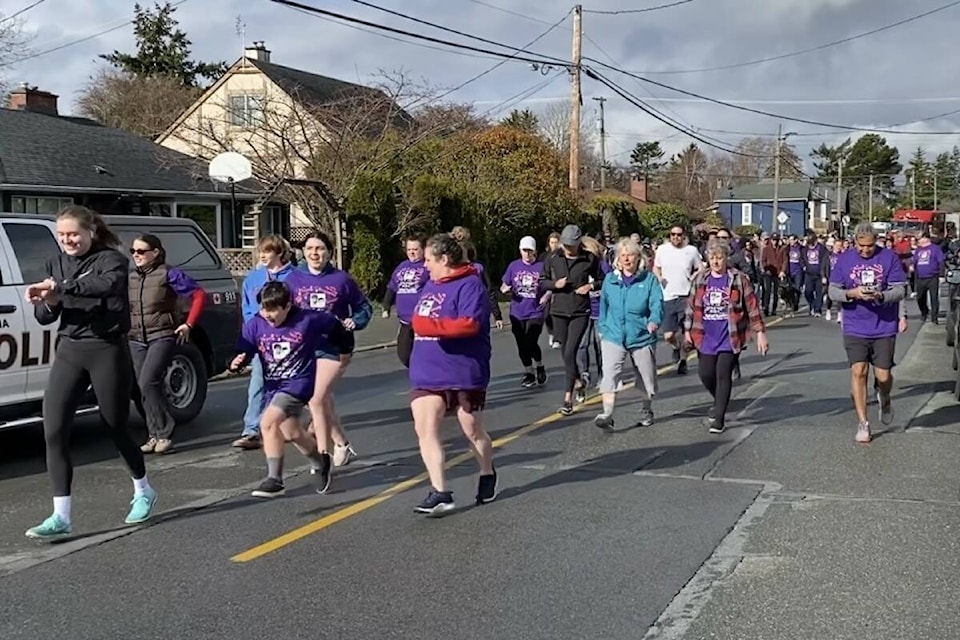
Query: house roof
column 315, row 89
column 76, row 154
column 829, row 193
column 763, row 192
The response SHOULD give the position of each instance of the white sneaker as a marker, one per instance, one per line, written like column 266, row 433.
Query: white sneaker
column 343, row 454
column 828, row 315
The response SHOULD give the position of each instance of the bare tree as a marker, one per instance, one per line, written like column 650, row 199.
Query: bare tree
column 555, row 128
column 14, row 43
column 142, row 105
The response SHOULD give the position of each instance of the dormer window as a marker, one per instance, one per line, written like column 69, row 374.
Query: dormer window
column 246, row 111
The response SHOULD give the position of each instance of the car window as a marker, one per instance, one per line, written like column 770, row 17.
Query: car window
column 184, row 248
column 33, row 245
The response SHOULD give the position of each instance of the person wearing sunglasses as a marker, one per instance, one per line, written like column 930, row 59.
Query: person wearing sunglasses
column 156, row 329
column 675, row 264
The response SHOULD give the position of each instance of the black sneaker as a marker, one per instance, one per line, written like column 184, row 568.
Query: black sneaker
column 436, row 503
column 682, row 367
column 714, row 425
column 269, row 488
column 541, row 376
column 604, row 422
column 528, row 380
column 487, row 488
column 566, row 409
column 646, row 418
column 321, row 476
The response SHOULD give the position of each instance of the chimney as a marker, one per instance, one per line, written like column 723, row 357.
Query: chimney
column 28, row 98
column 638, row 188
column 257, row 52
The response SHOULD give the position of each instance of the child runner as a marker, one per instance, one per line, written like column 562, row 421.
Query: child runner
column 521, row 281
column 404, row 287
column 287, row 339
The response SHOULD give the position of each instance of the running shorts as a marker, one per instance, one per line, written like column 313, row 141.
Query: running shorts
column 470, row 400
column 876, row 351
column 674, row 312
column 291, row 406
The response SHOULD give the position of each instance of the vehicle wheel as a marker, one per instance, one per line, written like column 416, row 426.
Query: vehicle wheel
column 185, row 385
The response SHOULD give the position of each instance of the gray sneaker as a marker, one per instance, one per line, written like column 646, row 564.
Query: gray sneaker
column 886, row 408
column 646, row 417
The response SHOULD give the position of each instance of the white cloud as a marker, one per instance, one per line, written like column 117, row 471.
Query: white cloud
column 912, row 61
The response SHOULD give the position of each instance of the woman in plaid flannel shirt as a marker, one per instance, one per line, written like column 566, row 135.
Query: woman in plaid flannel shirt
column 722, row 315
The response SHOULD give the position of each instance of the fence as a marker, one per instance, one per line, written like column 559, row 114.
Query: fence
column 237, row 261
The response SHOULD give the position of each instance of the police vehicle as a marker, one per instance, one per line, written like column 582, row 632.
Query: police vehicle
column 27, row 349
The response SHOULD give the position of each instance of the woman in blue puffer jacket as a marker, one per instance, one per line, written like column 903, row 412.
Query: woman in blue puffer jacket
column 631, row 310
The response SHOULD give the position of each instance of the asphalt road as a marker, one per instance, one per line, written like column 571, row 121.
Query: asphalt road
column 781, row 527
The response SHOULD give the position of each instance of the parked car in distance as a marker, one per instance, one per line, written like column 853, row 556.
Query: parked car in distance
column 27, row 349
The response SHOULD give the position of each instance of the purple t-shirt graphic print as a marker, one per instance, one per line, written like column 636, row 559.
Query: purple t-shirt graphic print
column 716, row 315
column 525, row 292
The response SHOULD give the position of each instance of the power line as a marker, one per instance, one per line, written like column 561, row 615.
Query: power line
column 456, row 45
column 644, row 10
column 22, row 11
column 501, row 63
column 75, row 42
column 448, row 29
column 769, row 114
column 509, row 11
column 827, row 45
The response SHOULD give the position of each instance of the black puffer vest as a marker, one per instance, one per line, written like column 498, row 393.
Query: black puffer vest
column 153, row 305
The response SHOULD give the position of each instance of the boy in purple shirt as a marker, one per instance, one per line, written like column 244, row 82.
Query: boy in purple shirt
column 869, row 283
column 287, row 339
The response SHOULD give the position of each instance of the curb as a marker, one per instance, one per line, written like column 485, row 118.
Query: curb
column 226, row 375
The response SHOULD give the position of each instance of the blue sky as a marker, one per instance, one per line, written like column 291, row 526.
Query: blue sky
column 899, row 76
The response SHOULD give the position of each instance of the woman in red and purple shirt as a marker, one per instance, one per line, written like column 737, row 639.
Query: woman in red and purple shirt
column 722, row 315
column 156, row 327
column 450, row 367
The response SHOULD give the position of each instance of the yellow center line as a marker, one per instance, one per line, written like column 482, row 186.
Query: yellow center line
column 368, row 503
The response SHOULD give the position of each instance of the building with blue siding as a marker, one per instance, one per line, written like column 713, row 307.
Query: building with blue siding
column 803, row 204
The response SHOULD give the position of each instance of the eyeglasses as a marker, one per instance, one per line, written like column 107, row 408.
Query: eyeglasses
column 139, row 252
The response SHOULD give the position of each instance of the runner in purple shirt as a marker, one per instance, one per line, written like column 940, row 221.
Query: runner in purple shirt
column 869, row 283
column 404, row 288
column 928, row 265
column 286, row 338
column 521, row 281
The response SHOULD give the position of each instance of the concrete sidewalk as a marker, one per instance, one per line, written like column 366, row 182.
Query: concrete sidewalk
column 844, row 541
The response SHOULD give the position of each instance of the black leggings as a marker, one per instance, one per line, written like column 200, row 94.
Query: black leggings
column 716, row 373
column 527, row 335
column 569, row 332
column 405, row 343
column 105, row 365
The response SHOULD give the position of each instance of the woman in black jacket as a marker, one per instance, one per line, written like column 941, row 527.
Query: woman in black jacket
column 86, row 289
column 570, row 273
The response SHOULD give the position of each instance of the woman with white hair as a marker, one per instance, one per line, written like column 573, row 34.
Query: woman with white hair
column 723, row 313
column 631, row 310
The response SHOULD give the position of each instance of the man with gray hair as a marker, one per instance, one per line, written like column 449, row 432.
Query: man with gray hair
column 869, row 283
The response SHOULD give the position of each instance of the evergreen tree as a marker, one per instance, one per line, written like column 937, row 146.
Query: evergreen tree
column 162, row 49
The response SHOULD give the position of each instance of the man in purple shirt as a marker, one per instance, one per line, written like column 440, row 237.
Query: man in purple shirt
column 928, row 266
column 869, row 283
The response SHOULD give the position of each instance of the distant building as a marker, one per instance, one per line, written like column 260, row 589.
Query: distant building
column 803, row 206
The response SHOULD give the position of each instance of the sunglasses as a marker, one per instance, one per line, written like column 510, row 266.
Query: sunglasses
column 139, row 252
column 676, row 235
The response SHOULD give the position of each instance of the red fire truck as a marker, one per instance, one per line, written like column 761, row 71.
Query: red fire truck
column 913, row 222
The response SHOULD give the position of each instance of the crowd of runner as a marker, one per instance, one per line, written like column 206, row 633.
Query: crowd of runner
column 605, row 304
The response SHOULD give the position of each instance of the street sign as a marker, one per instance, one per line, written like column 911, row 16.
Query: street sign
column 846, row 220
column 782, row 217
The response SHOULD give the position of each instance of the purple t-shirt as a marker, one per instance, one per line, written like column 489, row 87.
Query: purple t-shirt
column 716, row 315
column 288, row 352
column 525, row 291
column 813, row 256
column 927, row 261
column 605, row 268
column 795, row 259
column 181, row 283
column 882, row 270
column 332, row 290
column 406, row 282
column 834, row 255
column 453, row 363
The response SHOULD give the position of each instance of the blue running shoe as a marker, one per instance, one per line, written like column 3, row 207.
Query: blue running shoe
column 141, row 506
column 52, row 527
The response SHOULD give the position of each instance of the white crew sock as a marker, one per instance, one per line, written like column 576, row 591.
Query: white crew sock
column 61, row 507
column 140, row 486
column 608, row 406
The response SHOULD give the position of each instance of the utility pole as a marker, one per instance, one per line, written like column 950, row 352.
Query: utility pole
column 776, row 178
column 839, row 187
column 603, row 145
column 575, row 100
column 870, row 198
column 913, row 188
column 934, row 188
